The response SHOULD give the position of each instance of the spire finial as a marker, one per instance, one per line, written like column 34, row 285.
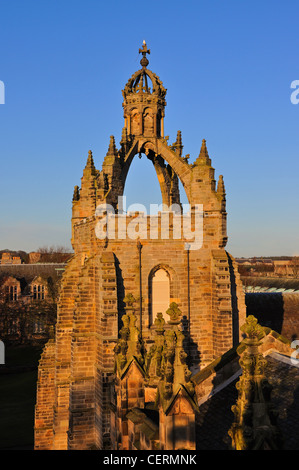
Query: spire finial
column 220, row 186
column 90, row 162
column 255, row 423
column 144, row 61
column 178, row 146
column 203, row 157
column 76, row 195
column 112, row 148
column 90, row 169
column 203, row 150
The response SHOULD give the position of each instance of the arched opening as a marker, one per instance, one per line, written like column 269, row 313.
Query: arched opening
column 183, row 198
column 144, row 190
column 142, row 186
column 160, row 293
column 148, row 122
column 142, row 83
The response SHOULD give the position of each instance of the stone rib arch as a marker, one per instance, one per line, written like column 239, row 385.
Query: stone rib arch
column 164, row 182
column 157, row 153
column 181, row 168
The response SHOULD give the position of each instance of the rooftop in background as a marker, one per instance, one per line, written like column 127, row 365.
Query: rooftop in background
column 10, row 257
column 30, row 271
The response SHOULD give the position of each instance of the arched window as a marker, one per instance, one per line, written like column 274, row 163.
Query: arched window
column 135, row 122
column 148, row 122
column 160, row 293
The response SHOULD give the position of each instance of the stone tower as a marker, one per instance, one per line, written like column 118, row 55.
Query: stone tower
column 76, row 381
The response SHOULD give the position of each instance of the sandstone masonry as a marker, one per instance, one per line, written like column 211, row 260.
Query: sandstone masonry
column 79, row 388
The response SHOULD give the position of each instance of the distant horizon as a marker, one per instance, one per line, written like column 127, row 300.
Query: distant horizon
column 71, row 251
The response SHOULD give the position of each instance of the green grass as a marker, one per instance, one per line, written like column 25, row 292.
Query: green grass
column 17, row 399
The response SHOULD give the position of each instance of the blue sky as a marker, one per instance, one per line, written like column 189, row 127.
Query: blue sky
column 227, row 67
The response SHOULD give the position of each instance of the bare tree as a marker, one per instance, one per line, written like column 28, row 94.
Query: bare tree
column 55, row 253
column 295, row 266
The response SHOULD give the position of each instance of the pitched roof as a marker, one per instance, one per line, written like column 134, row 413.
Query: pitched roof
column 215, row 416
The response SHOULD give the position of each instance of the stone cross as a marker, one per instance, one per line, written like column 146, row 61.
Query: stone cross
column 144, row 61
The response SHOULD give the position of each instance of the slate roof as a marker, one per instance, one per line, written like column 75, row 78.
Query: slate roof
column 26, row 273
column 30, row 271
column 215, row 416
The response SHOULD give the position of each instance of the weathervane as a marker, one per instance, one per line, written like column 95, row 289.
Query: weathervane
column 144, row 61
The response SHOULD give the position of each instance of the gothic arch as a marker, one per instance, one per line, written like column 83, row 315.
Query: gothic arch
column 173, row 287
column 157, row 152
